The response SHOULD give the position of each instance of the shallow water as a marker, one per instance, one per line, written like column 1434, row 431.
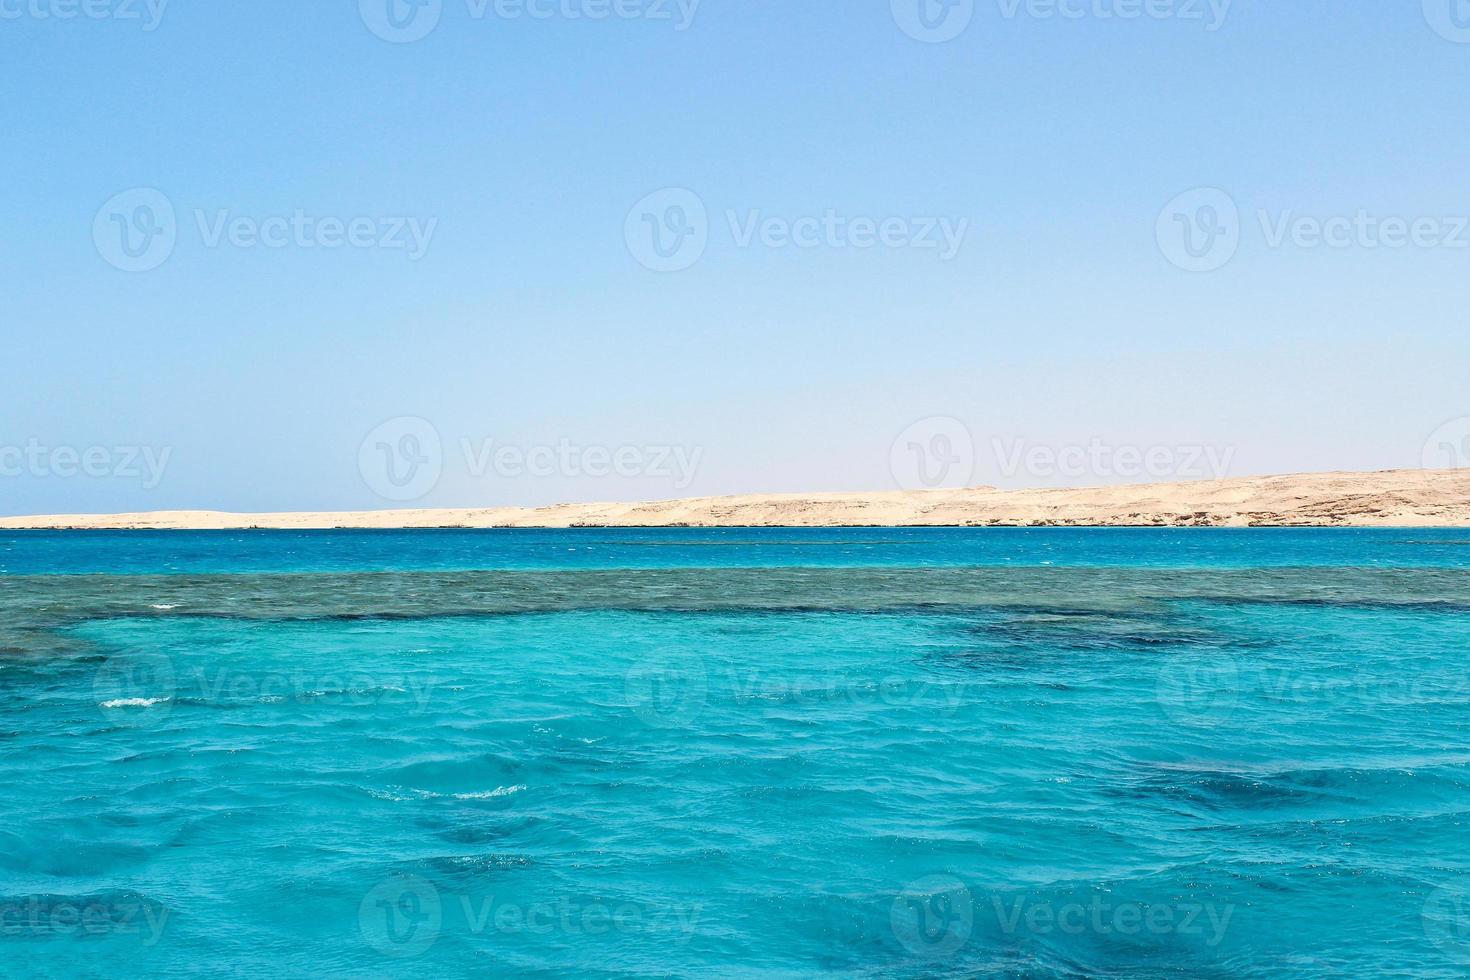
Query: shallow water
column 713, row 753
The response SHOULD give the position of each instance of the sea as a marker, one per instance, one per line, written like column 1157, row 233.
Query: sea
column 769, row 753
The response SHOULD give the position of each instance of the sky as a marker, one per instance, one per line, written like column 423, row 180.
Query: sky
column 356, row 254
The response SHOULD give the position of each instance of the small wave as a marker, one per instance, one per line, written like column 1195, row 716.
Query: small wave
column 355, row 692
column 164, row 605
column 405, row 794
column 134, row 702
column 490, row 794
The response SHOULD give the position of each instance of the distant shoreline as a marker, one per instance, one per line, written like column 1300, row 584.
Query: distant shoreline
column 1389, row 498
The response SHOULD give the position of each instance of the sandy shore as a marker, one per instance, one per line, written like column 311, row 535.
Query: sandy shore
column 1392, row 498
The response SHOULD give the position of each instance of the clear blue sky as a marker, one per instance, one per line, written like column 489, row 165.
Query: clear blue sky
column 530, row 320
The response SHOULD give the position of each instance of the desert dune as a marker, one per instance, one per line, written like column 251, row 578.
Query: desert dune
column 1390, row 498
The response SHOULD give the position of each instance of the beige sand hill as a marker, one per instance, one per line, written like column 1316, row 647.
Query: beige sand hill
column 1393, row 498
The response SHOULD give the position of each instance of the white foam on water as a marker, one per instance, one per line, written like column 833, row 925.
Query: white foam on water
column 490, row 794
column 134, row 702
column 405, row 794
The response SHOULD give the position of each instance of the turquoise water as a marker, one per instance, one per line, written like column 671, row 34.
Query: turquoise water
column 872, row 753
